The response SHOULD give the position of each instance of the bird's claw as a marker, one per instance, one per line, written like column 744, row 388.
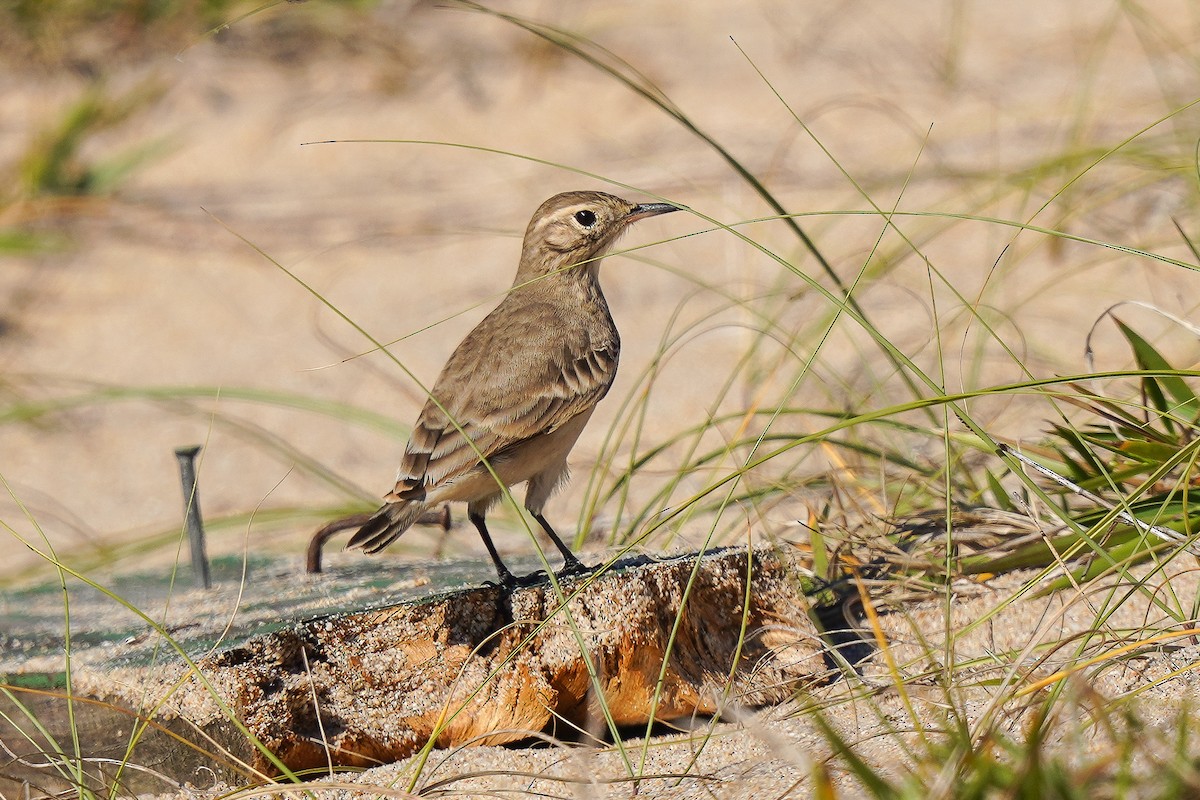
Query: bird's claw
column 574, row 569
column 532, row 579
column 509, row 581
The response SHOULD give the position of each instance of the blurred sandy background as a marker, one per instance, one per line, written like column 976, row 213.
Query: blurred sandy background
column 982, row 103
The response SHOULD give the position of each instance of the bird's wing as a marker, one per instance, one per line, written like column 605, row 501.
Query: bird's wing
column 514, row 377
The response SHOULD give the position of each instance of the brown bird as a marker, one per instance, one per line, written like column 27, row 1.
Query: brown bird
column 519, row 389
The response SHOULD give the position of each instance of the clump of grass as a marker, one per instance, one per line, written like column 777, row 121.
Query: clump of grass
column 1135, row 761
column 90, row 35
column 94, row 39
column 20, row 242
column 55, row 163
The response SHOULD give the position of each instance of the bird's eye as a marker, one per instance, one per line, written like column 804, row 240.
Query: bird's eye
column 585, row 218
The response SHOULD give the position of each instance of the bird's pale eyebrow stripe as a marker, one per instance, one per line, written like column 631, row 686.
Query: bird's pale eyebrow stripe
column 568, row 211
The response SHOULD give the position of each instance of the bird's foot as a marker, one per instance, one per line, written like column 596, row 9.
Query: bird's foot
column 574, row 568
column 532, row 579
column 505, row 579
column 508, row 581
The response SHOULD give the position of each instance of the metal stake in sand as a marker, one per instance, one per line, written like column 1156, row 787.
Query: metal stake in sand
column 191, row 511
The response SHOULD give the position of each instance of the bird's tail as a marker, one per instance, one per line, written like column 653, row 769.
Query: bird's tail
column 386, row 525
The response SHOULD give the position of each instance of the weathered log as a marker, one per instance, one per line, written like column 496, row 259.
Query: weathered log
column 488, row 666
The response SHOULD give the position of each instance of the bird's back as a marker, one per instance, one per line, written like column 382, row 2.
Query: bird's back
column 538, row 360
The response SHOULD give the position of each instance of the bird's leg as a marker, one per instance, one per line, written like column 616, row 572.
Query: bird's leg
column 571, row 564
column 507, row 579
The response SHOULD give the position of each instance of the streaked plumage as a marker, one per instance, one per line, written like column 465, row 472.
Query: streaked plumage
column 521, row 385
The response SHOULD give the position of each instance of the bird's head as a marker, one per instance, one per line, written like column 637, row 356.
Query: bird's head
column 578, row 228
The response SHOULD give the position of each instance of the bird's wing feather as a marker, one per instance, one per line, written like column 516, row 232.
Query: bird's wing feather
column 516, row 376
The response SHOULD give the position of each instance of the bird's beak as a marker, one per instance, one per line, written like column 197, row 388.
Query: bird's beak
column 644, row 210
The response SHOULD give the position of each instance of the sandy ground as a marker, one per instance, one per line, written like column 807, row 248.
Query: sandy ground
column 414, row 242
